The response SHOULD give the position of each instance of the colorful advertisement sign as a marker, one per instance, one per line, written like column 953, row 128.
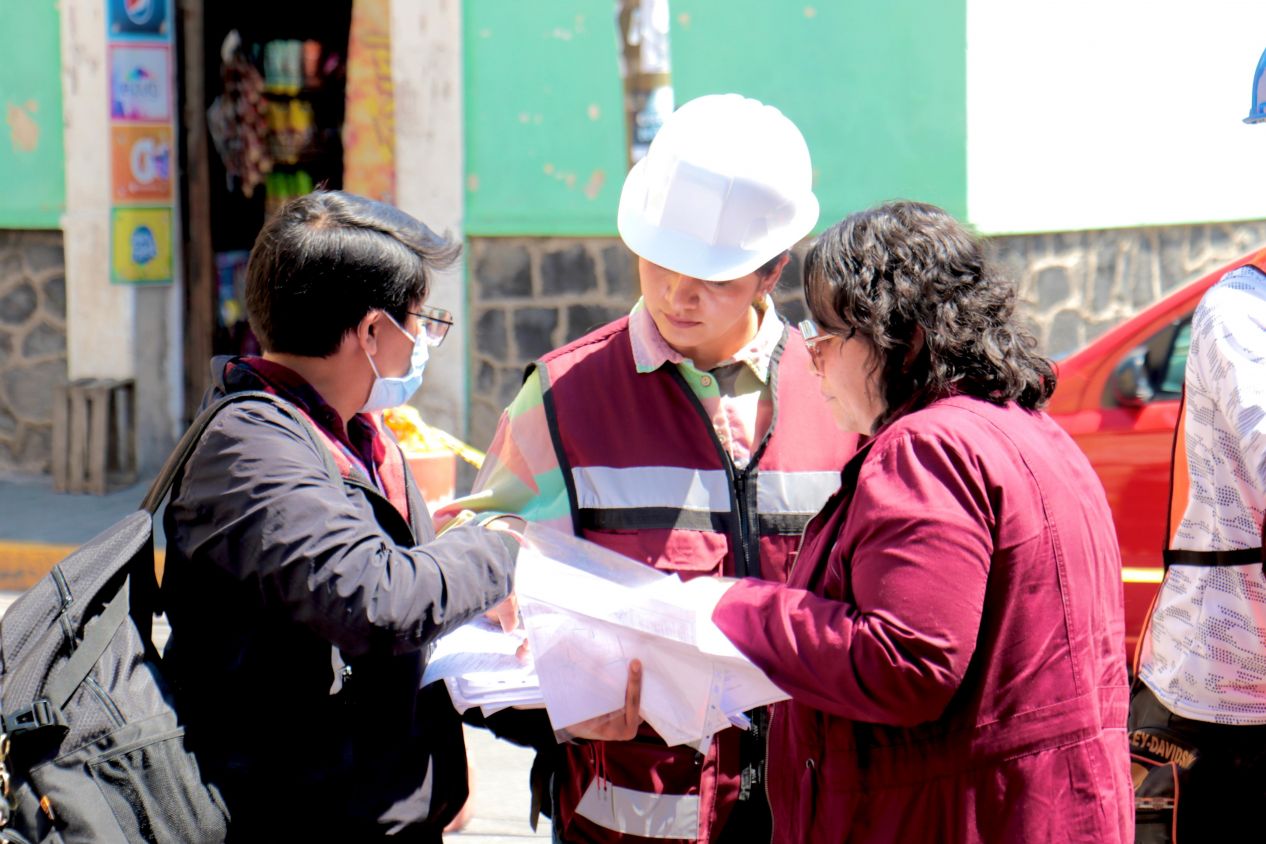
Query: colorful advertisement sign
column 142, row 141
column 140, row 83
column 139, row 18
column 141, row 160
column 140, row 245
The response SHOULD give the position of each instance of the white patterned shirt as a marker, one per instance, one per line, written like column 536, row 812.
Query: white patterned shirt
column 1206, row 656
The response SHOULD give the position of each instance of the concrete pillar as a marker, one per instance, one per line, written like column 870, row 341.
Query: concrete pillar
column 100, row 317
column 426, row 70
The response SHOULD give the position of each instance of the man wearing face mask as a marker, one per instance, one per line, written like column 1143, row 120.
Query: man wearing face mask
column 303, row 579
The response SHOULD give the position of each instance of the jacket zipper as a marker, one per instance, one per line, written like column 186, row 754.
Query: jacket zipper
column 738, row 485
column 744, row 516
column 738, row 480
column 104, row 698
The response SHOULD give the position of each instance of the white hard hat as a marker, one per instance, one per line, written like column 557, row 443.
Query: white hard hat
column 725, row 186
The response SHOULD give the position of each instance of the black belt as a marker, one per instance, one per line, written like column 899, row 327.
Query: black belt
column 1238, row 557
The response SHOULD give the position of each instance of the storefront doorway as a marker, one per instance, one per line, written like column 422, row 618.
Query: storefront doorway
column 263, row 102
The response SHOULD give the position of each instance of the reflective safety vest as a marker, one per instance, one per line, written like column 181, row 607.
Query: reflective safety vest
column 648, row 477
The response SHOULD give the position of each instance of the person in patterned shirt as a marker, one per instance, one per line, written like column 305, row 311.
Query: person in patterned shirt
column 1198, row 712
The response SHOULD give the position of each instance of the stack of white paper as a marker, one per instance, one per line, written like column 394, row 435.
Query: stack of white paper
column 589, row 611
column 478, row 662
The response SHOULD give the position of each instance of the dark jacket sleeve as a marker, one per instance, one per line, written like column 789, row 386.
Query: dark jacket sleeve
column 524, row 727
column 257, row 501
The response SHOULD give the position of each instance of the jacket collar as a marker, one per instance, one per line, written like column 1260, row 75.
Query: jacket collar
column 360, row 435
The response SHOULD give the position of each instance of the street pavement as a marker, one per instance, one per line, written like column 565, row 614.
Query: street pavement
column 500, row 793
column 39, row 526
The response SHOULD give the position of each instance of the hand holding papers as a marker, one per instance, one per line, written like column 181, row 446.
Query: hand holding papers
column 485, row 667
column 588, row 611
column 622, row 724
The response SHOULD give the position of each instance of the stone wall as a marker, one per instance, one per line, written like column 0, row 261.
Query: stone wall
column 1077, row 285
column 32, row 346
column 529, row 295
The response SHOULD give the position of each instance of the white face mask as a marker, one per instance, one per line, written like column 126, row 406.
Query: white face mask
column 396, row 390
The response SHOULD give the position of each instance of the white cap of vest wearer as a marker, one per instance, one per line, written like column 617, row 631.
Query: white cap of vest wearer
column 725, row 186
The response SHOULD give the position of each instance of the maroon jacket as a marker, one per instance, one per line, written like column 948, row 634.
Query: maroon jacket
column 951, row 637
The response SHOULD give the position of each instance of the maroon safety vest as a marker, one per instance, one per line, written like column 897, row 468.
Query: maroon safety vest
column 647, row 477
column 391, row 473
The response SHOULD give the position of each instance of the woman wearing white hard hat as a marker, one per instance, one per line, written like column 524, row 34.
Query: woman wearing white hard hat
column 688, row 435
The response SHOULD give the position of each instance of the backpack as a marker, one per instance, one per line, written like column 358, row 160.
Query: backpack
column 91, row 746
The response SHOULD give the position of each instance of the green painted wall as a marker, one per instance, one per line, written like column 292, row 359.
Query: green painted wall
column 544, row 117
column 879, row 89
column 32, row 162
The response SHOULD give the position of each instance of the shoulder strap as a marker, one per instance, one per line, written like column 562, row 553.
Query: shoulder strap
column 189, row 442
column 63, row 682
column 1236, row 557
column 144, row 580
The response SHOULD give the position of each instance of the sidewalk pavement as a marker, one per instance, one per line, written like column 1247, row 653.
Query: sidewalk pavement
column 38, row 527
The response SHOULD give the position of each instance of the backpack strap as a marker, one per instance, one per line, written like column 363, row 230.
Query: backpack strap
column 61, row 684
column 46, row 711
column 189, row 442
column 145, row 583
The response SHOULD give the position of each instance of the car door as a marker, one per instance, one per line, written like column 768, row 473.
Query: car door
column 1131, row 447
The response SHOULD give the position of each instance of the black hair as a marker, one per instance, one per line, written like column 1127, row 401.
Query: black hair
column 891, row 271
column 766, row 269
column 326, row 259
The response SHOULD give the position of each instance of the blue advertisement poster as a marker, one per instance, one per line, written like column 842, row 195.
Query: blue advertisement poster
column 148, row 19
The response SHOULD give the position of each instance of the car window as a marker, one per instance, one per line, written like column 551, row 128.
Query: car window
column 1176, row 363
column 1154, row 370
column 1164, row 358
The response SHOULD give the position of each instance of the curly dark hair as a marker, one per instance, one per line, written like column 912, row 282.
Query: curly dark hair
column 891, row 271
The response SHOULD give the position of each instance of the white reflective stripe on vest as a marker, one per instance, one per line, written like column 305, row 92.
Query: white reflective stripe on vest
column 608, row 488
column 794, row 492
column 640, row 813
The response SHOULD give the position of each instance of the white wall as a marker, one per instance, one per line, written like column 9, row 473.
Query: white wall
column 1107, row 113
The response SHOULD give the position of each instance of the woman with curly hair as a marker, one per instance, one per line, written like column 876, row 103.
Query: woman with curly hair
column 951, row 635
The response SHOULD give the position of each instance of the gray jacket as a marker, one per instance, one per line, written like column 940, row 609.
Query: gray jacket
column 301, row 609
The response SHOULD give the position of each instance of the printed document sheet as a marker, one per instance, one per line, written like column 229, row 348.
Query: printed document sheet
column 586, row 613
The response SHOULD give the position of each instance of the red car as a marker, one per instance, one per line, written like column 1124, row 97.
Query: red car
column 1118, row 398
